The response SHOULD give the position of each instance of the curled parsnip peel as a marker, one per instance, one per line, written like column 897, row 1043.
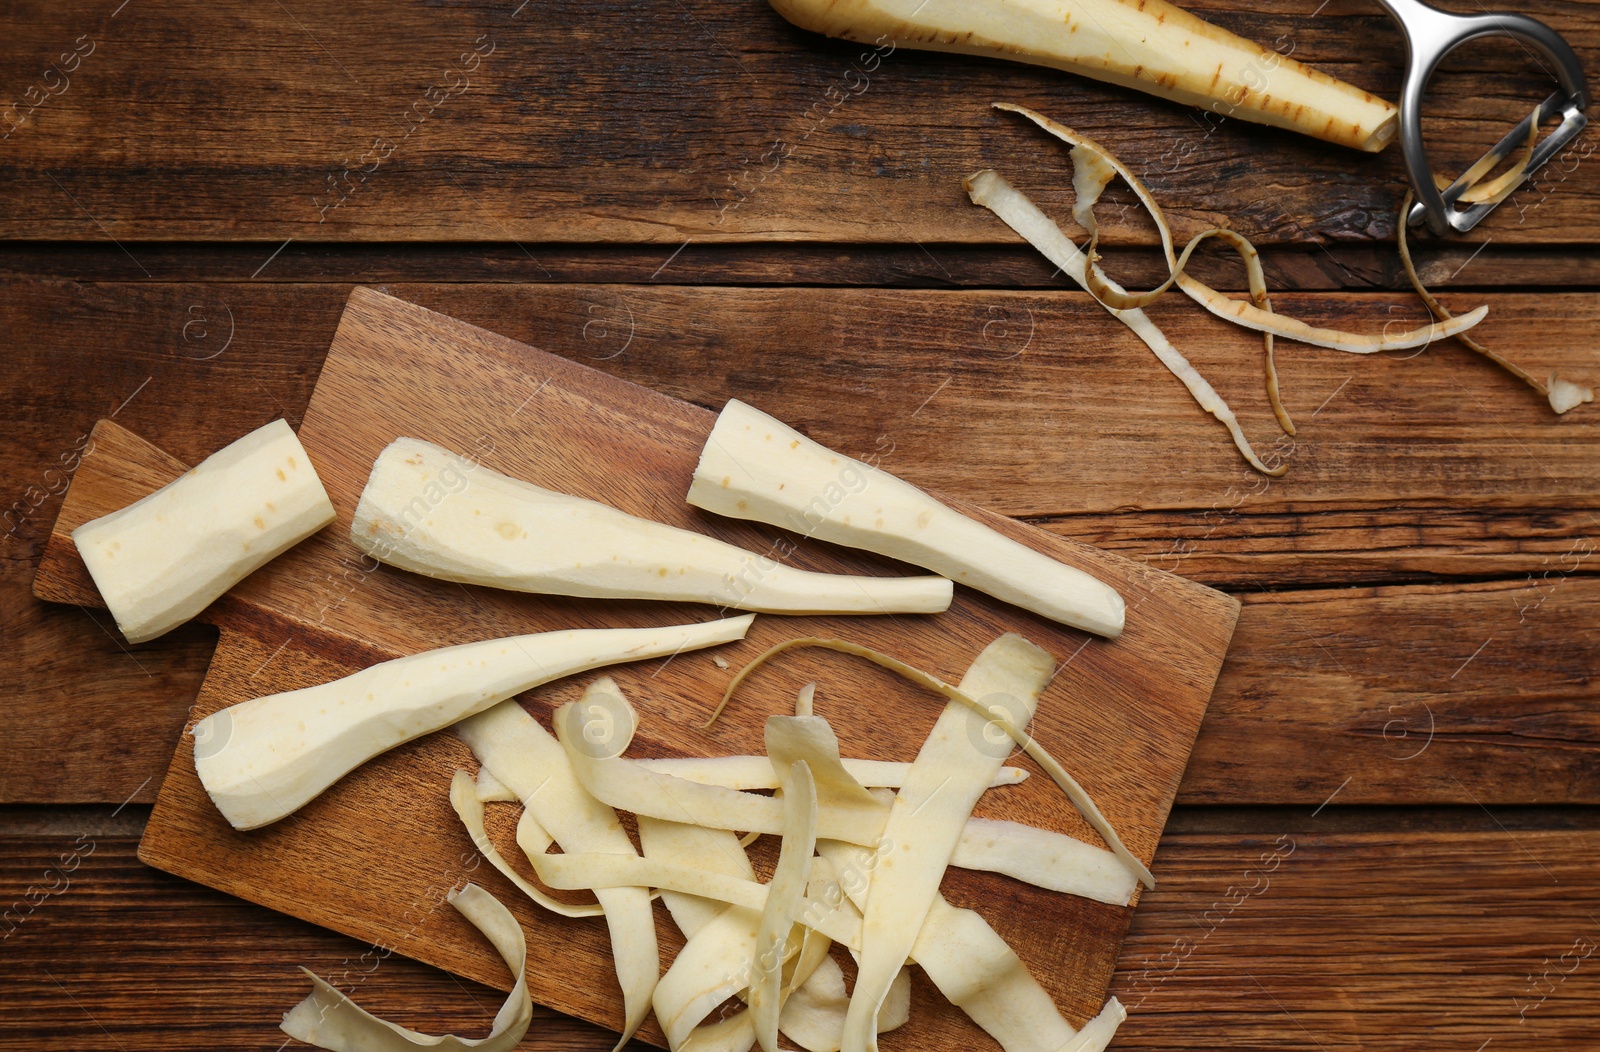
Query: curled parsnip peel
column 262, row 759
column 1502, row 186
column 964, row 957
column 813, row 1017
column 717, row 850
column 974, row 968
column 755, row 772
column 1044, row 859
column 431, row 511
column 631, row 786
column 785, row 893
column 683, row 844
column 524, row 757
column 1241, row 312
column 469, row 808
column 1149, row 45
column 162, row 559
column 329, row 1019
column 754, row 466
column 1561, row 394
column 1098, row 1032
column 1091, row 174
column 950, row 773
column 990, row 189
column 998, row 719
column 492, row 790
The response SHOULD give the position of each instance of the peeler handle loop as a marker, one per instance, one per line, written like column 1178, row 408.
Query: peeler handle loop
column 1430, row 35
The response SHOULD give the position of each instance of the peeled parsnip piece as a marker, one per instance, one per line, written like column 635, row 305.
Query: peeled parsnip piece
column 953, row 767
column 329, row 1019
column 1151, row 46
column 525, row 758
column 756, row 467
column 755, row 772
column 164, row 558
column 428, row 510
column 263, row 759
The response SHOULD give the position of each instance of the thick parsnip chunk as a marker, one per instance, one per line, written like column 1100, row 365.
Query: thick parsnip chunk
column 164, row 558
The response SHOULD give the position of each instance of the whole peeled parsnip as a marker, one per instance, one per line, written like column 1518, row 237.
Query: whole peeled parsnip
column 1145, row 44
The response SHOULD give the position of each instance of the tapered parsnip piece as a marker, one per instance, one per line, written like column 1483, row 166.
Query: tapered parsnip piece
column 329, row 1019
column 1149, row 45
column 428, row 510
column 756, row 467
column 755, row 772
column 263, row 759
column 164, row 558
column 952, row 769
column 524, row 757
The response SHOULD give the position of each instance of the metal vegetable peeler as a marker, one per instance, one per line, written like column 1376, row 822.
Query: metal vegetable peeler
column 1431, row 34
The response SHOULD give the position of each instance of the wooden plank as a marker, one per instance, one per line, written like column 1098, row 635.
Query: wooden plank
column 1465, row 694
column 1335, row 267
column 971, row 406
column 1248, row 550
column 1129, row 709
column 1422, row 942
column 693, row 120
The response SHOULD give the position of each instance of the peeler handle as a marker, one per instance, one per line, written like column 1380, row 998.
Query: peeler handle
column 1430, row 35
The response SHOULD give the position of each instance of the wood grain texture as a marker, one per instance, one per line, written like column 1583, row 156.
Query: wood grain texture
column 1323, row 547
column 1129, row 709
column 1421, row 942
column 1465, row 693
column 675, row 121
column 990, row 396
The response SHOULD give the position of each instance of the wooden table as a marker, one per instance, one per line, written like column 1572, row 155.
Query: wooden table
column 1387, row 834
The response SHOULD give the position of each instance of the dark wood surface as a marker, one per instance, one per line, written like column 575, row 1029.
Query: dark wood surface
column 1411, row 691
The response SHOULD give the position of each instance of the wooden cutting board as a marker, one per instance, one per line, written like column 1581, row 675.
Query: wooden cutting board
column 374, row 856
